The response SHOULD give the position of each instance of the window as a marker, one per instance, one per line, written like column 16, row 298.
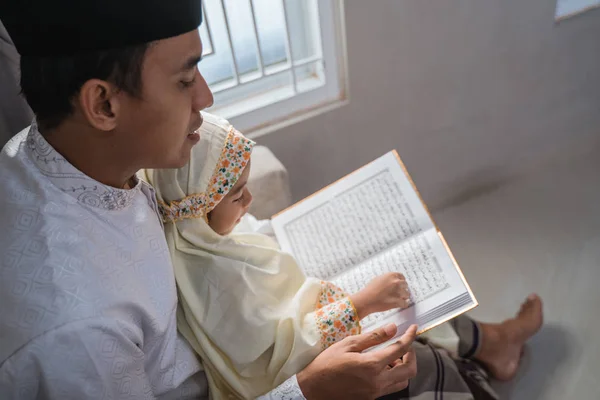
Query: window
column 269, row 62
column 569, row 8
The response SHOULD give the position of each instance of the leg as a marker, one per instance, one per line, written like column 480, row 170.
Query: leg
column 501, row 345
column 469, row 336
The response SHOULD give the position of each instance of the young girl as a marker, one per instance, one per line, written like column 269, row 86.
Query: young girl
column 247, row 308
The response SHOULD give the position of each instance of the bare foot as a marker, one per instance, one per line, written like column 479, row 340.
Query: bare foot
column 502, row 344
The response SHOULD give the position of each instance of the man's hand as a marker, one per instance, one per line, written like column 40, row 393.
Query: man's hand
column 343, row 372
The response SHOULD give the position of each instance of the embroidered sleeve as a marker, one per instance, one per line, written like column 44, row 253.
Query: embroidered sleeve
column 336, row 316
column 288, row 390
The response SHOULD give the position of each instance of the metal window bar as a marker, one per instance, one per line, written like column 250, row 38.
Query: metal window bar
column 236, row 75
column 288, row 47
column 261, row 67
column 268, row 73
column 221, row 87
column 207, row 25
column 308, row 60
column 300, row 63
column 230, row 85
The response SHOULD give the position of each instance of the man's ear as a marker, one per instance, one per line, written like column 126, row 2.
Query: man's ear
column 99, row 102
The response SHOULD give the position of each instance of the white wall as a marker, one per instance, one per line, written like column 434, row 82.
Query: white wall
column 470, row 92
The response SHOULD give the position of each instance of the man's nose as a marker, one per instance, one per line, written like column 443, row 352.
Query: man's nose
column 203, row 97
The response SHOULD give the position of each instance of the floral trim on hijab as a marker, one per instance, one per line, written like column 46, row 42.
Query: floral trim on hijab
column 336, row 315
column 231, row 164
column 232, row 161
column 189, row 207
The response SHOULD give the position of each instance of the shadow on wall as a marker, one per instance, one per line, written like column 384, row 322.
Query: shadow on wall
column 477, row 184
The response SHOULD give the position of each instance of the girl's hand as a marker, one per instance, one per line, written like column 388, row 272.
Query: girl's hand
column 381, row 294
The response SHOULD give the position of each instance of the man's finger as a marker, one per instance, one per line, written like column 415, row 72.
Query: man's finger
column 373, row 338
column 396, row 350
column 394, row 363
column 410, row 357
column 403, row 371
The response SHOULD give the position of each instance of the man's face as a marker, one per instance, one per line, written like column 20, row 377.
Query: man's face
column 159, row 127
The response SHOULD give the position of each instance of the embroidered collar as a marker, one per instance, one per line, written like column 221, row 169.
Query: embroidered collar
column 72, row 181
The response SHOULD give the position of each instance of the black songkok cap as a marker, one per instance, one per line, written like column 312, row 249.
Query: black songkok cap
column 67, row 27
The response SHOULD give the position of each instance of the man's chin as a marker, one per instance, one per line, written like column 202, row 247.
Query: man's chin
column 174, row 163
column 173, row 159
column 182, row 162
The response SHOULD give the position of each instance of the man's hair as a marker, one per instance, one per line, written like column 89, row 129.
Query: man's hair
column 50, row 83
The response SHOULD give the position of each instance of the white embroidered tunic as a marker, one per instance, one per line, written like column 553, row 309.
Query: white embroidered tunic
column 87, row 292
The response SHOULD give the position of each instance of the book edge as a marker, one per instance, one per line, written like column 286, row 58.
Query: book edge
column 325, row 188
column 450, row 317
column 439, row 232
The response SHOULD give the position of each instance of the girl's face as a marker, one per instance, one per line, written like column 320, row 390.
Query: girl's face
column 229, row 212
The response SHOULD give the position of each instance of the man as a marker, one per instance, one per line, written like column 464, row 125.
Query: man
column 87, row 294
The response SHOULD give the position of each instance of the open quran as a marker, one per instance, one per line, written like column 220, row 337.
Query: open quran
column 371, row 222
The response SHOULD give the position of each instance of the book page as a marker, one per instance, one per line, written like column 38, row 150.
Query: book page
column 366, row 213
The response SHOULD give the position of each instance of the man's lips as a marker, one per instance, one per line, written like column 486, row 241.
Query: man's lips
column 197, row 128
